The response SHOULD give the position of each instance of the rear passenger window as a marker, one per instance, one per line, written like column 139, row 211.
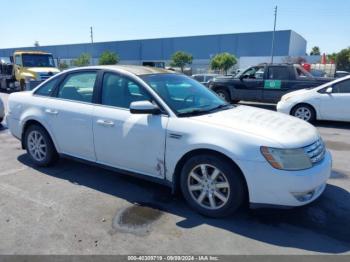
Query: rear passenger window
column 78, row 87
column 278, row 73
column 46, row 89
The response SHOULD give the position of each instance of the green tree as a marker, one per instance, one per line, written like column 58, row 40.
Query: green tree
column 332, row 57
column 223, row 62
column 181, row 59
column 343, row 59
column 82, row 60
column 108, row 58
column 315, row 51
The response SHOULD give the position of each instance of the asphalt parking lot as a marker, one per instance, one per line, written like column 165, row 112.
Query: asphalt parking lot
column 74, row 208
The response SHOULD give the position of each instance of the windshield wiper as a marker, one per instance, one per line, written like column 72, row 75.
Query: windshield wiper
column 193, row 112
column 223, row 106
column 196, row 112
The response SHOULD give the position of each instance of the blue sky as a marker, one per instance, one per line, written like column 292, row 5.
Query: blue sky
column 322, row 22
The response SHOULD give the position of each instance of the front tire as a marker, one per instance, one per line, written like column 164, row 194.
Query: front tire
column 22, row 85
column 212, row 186
column 223, row 94
column 304, row 112
column 40, row 147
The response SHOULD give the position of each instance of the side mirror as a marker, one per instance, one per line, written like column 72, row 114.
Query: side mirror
column 329, row 90
column 144, row 107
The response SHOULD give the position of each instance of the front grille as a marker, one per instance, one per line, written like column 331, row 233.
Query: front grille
column 316, row 151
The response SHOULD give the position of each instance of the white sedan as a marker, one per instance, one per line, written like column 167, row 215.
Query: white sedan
column 2, row 110
column 330, row 101
column 167, row 127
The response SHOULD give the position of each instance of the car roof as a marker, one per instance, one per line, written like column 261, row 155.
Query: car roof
column 133, row 69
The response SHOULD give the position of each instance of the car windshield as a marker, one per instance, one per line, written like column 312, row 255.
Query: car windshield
column 184, row 95
column 36, row 60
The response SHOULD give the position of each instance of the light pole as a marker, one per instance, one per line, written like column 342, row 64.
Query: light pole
column 273, row 36
column 92, row 44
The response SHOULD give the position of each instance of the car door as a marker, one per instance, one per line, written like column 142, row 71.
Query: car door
column 335, row 105
column 276, row 83
column 134, row 142
column 69, row 114
column 249, row 87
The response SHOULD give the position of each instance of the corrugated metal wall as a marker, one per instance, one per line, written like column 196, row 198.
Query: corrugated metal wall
column 288, row 43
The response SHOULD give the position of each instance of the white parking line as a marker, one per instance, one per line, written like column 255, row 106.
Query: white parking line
column 17, row 192
column 13, row 171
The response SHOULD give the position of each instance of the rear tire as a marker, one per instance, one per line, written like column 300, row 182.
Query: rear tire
column 224, row 94
column 40, row 147
column 304, row 112
column 212, row 185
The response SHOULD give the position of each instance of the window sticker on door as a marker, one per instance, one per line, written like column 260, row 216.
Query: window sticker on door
column 272, row 84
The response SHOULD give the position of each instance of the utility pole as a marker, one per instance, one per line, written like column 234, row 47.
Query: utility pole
column 92, row 44
column 91, row 35
column 273, row 36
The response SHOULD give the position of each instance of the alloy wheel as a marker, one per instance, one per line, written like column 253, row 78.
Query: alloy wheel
column 303, row 113
column 37, row 146
column 208, row 186
column 222, row 95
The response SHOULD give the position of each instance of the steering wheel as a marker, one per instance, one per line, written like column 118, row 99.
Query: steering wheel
column 189, row 97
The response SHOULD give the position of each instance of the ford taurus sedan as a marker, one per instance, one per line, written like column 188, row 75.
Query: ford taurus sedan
column 169, row 128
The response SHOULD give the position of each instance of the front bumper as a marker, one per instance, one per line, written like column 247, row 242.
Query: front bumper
column 284, row 107
column 270, row 186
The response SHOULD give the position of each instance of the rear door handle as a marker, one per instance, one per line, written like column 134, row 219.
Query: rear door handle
column 107, row 123
column 51, row 111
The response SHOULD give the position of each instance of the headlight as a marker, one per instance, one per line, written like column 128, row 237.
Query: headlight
column 29, row 78
column 285, row 98
column 286, row 159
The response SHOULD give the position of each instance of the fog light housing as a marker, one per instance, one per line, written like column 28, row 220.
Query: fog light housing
column 308, row 195
column 304, row 197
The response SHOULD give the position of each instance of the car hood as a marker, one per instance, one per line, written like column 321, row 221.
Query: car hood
column 287, row 131
column 296, row 93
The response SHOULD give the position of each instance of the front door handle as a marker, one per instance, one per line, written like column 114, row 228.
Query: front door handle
column 107, row 123
column 51, row 111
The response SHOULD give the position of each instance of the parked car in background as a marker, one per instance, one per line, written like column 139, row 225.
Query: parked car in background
column 264, row 83
column 167, row 127
column 2, row 110
column 339, row 74
column 330, row 101
column 204, row 78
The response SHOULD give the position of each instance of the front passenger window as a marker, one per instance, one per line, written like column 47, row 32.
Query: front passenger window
column 78, row 87
column 120, row 91
column 342, row 87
